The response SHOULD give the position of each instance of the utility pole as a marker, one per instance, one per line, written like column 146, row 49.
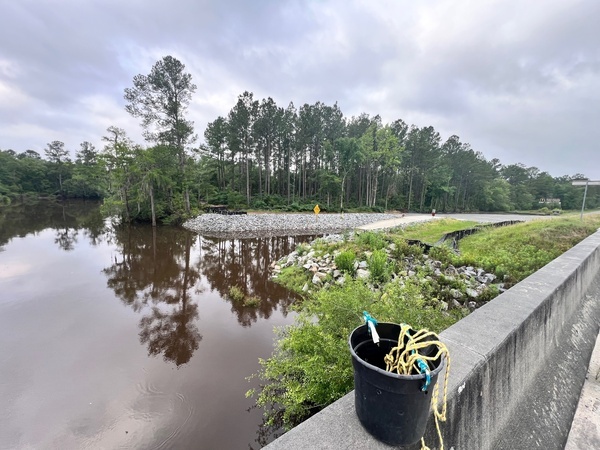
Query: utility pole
column 585, row 183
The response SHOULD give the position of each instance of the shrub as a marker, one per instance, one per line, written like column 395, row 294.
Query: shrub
column 371, row 239
column 310, row 367
column 378, row 266
column 345, row 261
column 302, row 249
column 293, row 278
column 404, row 249
column 444, row 254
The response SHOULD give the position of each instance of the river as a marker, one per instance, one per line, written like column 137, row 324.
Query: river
column 124, row 337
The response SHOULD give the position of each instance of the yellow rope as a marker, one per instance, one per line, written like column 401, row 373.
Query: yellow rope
column 403, row 361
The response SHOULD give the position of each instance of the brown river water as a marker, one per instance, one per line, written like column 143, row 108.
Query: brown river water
column 124, row 337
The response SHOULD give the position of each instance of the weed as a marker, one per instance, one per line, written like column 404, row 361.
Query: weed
column 236, row 293
column 345, row 261
column 378, row 266
column 371, row 240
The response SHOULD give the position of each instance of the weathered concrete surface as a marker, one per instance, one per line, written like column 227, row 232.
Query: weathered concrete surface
column 585, row 431
column 518, row 365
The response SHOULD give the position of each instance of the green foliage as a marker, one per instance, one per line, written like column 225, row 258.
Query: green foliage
column 378, row 266
column 304, row 207
column 236, row 294
column 444, row 254
column 293, row 278
column 345, row 261
column 516, row 251
column 311, row 365
column 371, row 239
column 404, row 249
column 302, row 249
column 431, row 231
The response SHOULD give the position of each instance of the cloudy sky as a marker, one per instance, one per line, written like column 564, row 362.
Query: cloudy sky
column 519, row 81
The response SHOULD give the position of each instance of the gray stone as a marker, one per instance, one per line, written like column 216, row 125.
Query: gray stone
column 490, row 277
column 472, row 293
column 362, row 274
column 455, row 293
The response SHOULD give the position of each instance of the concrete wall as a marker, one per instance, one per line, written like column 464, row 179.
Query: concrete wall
column 517, row 367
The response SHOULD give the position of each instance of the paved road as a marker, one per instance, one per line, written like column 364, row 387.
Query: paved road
column 414, row 218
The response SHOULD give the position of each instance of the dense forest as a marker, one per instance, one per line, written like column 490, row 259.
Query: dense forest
column 266, row 156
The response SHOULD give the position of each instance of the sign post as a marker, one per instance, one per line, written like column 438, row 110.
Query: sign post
column 585, row 183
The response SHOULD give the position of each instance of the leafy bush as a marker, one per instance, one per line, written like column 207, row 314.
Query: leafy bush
column 378, row 266
column 259, row 204
column 236, row 294
column 311, row 365
column 302, row 249
column 404, row 249
column 444, row 254
column 293, row 278
column 345, row 261
column 371, row 239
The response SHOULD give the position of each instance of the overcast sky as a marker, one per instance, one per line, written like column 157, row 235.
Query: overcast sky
column 519, row 81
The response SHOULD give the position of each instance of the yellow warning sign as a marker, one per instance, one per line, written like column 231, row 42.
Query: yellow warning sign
column 316, row 209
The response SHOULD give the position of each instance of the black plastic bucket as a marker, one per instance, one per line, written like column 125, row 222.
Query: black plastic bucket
column 391, row 407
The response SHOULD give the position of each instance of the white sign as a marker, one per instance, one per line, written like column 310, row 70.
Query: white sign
column 549, row 200
column 586, row 183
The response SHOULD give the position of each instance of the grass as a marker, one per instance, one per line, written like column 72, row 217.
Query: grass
column 310, row 367
column 516, row 251
column 293, row 278
column 433, row 230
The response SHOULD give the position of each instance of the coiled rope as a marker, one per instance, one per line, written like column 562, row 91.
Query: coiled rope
column 405, row 359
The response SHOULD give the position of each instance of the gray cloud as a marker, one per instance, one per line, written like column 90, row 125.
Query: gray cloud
column 518, row 81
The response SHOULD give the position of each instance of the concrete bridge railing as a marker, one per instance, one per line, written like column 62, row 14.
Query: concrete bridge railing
column 518, row 365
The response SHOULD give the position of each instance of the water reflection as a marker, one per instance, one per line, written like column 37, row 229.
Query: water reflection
column 153, row 271
column 74, row 288
column 245, row 263
column 67, row 219
column 161, row 273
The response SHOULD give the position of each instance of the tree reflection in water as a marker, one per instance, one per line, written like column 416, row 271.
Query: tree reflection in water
column 67, row 219
column 154, row 271
column 160, row 272
column 245, row 263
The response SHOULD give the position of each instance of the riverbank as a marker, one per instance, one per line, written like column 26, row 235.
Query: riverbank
column 261, row 225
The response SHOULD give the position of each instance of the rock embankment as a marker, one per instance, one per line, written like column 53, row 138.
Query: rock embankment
column 259, row 225
column 456, row 287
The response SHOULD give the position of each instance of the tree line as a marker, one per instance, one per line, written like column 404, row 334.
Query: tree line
column 265, row 156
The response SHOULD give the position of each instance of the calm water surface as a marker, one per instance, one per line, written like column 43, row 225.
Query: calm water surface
column 125, row 338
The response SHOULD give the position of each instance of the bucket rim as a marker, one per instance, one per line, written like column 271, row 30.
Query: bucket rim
column 417, row 377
